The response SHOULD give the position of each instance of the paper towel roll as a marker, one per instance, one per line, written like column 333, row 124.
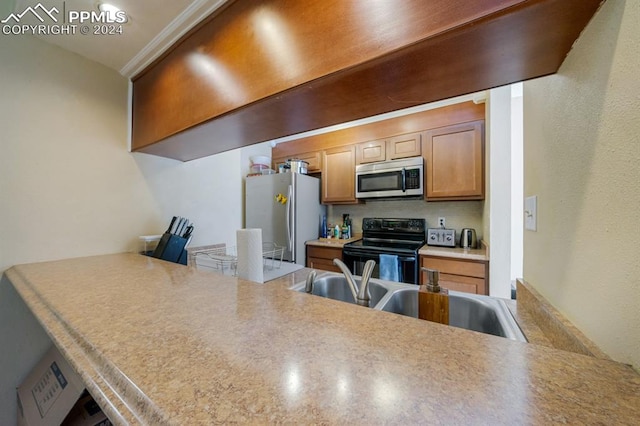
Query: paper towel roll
column 249, row 245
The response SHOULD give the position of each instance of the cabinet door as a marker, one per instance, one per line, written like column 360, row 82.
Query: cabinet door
column 404, row 146
column 459, row 275
column 313, row 158
column 338, row 175
column 322, row 258
column 370, row 152
column 454, row 157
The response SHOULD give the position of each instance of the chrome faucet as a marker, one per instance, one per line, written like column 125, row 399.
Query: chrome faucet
column 360, row 294
column 308, row 287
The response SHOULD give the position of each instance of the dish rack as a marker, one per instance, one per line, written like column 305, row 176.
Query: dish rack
column 225, row 258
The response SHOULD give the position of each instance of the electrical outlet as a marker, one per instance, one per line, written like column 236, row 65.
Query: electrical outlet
column 441, row 222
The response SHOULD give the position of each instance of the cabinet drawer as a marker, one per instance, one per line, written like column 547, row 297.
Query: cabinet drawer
column 324, row 252
column 324, row 264
column 458, row 286
column 455, row 267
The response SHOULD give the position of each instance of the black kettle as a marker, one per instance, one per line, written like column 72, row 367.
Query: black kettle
column 468, row 238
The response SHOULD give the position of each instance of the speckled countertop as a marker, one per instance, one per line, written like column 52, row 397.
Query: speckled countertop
column 332, row 242
column 161, row 343
column 481, row 253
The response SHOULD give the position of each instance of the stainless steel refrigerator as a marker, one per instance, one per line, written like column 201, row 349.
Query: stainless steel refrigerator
column 286, row 206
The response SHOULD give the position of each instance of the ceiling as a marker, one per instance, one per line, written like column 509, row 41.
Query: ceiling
column 152, row 27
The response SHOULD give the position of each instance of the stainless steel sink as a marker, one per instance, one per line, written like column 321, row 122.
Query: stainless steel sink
column 335, row 286
column 470, row 311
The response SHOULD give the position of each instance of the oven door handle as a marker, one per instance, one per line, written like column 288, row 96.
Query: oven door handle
column 347, row 252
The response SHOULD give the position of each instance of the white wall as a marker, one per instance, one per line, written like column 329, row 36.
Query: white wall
column 209, row 191
column 582, row 160
column 517, row 182
column 499, row 139
column 68, row 186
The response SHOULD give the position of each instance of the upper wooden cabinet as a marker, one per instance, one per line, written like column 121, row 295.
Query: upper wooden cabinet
column 402, row 146
column 313, row 158
column 338, row 158
column 338, row 175
column 454, row 162
column 259, row 70
column 370, row 152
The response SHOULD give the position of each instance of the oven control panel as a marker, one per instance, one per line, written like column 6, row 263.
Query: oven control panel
column 441, row 237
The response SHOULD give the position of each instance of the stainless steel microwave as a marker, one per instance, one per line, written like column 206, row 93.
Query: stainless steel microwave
column 393, row 178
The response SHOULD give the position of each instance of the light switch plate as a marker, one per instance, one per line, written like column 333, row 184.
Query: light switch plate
column 531, row 213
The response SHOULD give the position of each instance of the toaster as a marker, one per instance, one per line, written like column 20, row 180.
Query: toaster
column 441, row 237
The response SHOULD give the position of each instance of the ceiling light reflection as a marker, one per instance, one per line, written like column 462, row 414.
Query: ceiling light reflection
column 217, row 77
column 385, row 393
column 292, row 382
column 343, row 387
column 279, row 42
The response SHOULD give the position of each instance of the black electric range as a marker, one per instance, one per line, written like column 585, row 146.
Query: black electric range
column 401, row 238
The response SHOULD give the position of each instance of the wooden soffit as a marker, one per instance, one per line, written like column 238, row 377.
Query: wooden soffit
column 260, row 70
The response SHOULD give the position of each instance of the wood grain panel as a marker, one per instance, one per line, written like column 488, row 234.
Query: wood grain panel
column 324, row 252
column 455, row 267
column 455, row 157
column 322, row 258
column 370, row 152
column 338, row 175
column 324, row 264
column 338, row 61
column 438, row 117
column 404, row 146
column 460, row 286
column 313, row 158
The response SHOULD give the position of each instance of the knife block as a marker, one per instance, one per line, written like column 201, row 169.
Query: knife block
column 171, row 248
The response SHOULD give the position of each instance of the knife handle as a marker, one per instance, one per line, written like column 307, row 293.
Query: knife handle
column 171, row 224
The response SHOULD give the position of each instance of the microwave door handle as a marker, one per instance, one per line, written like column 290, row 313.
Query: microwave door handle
column 404, row 180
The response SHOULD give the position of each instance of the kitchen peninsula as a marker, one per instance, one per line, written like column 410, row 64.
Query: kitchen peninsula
column 161, row 343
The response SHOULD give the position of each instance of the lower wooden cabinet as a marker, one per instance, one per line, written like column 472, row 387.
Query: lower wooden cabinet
column 470, row 276
column 322, row 257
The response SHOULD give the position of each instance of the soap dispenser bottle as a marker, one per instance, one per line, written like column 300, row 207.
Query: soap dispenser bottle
column 433, row 300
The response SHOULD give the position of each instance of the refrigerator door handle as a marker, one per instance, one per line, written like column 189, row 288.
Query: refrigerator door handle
column 288, row 207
